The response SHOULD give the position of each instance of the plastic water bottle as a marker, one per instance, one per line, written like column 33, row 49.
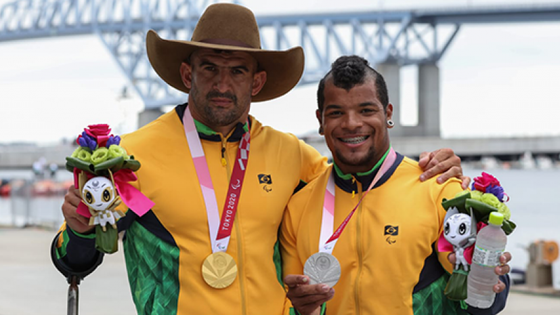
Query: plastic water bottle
column 490, row 244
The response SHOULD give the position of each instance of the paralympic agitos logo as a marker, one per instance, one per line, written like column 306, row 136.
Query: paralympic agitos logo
column 265, row 180
column 236, row 185
column 392, row 231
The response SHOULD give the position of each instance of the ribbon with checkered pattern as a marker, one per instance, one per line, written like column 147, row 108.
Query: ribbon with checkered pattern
column 327, row 238
column 219, row 234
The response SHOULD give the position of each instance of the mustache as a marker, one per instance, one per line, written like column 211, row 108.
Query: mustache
column 227, row 95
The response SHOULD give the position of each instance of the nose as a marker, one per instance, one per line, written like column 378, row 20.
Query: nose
column 223, row 81
column 352, row 121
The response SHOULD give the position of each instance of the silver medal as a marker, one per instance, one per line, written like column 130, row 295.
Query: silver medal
column 322, row 268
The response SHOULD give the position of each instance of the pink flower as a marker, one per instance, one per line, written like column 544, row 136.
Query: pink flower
column 99, row 132
column 480, row 183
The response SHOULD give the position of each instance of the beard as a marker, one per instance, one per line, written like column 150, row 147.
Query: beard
column 216, row 116
column 366, row 161
column 221, row 116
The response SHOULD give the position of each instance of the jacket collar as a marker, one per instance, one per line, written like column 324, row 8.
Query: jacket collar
column 349, row 182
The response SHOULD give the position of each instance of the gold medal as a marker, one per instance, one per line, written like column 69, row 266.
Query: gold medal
column 219, row 270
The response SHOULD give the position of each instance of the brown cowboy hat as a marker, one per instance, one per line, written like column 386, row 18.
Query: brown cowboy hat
column 235, row 28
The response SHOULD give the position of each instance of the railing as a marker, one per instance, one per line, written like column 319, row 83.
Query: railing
column 25, row 203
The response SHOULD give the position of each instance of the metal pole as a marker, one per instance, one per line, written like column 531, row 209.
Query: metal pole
column 27, row 193
column 73, row 295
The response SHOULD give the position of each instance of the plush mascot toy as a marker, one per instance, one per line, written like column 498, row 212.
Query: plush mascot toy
column 459, row 230
column 101, row 197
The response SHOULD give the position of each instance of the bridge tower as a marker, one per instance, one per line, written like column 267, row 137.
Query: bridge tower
column 388, row 39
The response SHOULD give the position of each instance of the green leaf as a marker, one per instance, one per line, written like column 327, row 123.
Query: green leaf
column 458, row 202
column 480, row 209
column 109, row 164
column 456, row 288
column 72, row 163
column 131, row 164
column 69, row 168
column 106, row 241
column 508, row 226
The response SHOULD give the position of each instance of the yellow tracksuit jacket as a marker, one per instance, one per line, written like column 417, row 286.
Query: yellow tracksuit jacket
column 386, row 251
column 165, row 248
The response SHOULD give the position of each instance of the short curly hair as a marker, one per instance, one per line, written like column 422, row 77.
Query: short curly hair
column 349, row 71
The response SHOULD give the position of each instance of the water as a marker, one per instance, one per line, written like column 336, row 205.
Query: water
column 42, row 211
column 534, row 205
column 23, row 208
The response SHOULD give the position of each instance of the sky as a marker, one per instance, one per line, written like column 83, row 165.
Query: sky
column 498, row 80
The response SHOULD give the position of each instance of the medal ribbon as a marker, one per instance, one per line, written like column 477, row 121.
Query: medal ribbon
column 328, row 238
column 219, row 234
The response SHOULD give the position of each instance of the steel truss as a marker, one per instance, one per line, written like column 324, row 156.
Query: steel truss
column 401, row 37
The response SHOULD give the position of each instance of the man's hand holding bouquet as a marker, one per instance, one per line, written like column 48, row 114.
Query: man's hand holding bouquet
column 102, row 174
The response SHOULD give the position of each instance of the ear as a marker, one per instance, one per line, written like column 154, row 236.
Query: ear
column 389, row 111
column 259, row 79
column 82, row 180
column 186, row 74
column 320, row 119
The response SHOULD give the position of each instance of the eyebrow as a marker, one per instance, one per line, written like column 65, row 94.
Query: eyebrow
column 241, row 67
column 369, row 104
column 335, row 106
column 205, row 62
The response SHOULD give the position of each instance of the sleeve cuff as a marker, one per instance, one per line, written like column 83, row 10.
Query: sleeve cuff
column 89, row 235
column 67, row 270
column 293, row 311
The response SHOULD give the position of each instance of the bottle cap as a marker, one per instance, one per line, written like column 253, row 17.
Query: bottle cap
column 496, row 218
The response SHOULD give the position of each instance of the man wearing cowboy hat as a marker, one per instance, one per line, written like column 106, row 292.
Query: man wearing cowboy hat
column 208, row 246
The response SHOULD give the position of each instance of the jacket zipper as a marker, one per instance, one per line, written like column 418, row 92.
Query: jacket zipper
column 240, row 273
column 224, row 160
column 359, row 248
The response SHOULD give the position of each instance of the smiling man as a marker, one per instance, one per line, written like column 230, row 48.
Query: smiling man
column 368, row 215
column 354, row 123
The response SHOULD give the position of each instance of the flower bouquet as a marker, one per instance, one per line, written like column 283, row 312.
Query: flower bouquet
column 102, row 172
column 467, row 213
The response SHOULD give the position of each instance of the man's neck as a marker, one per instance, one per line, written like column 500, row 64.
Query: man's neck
column 202, row 128
column 350, row 182
column 345, row 172
column 224, row 130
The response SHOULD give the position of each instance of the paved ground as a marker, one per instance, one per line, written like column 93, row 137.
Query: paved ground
column 29, row 284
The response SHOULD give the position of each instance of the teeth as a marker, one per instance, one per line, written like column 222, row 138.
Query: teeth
column 354, row 140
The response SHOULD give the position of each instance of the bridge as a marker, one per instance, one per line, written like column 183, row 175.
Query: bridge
column 389, row 39
column 22, row 156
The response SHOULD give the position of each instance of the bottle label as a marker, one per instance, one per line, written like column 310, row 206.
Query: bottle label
column 486, row 258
